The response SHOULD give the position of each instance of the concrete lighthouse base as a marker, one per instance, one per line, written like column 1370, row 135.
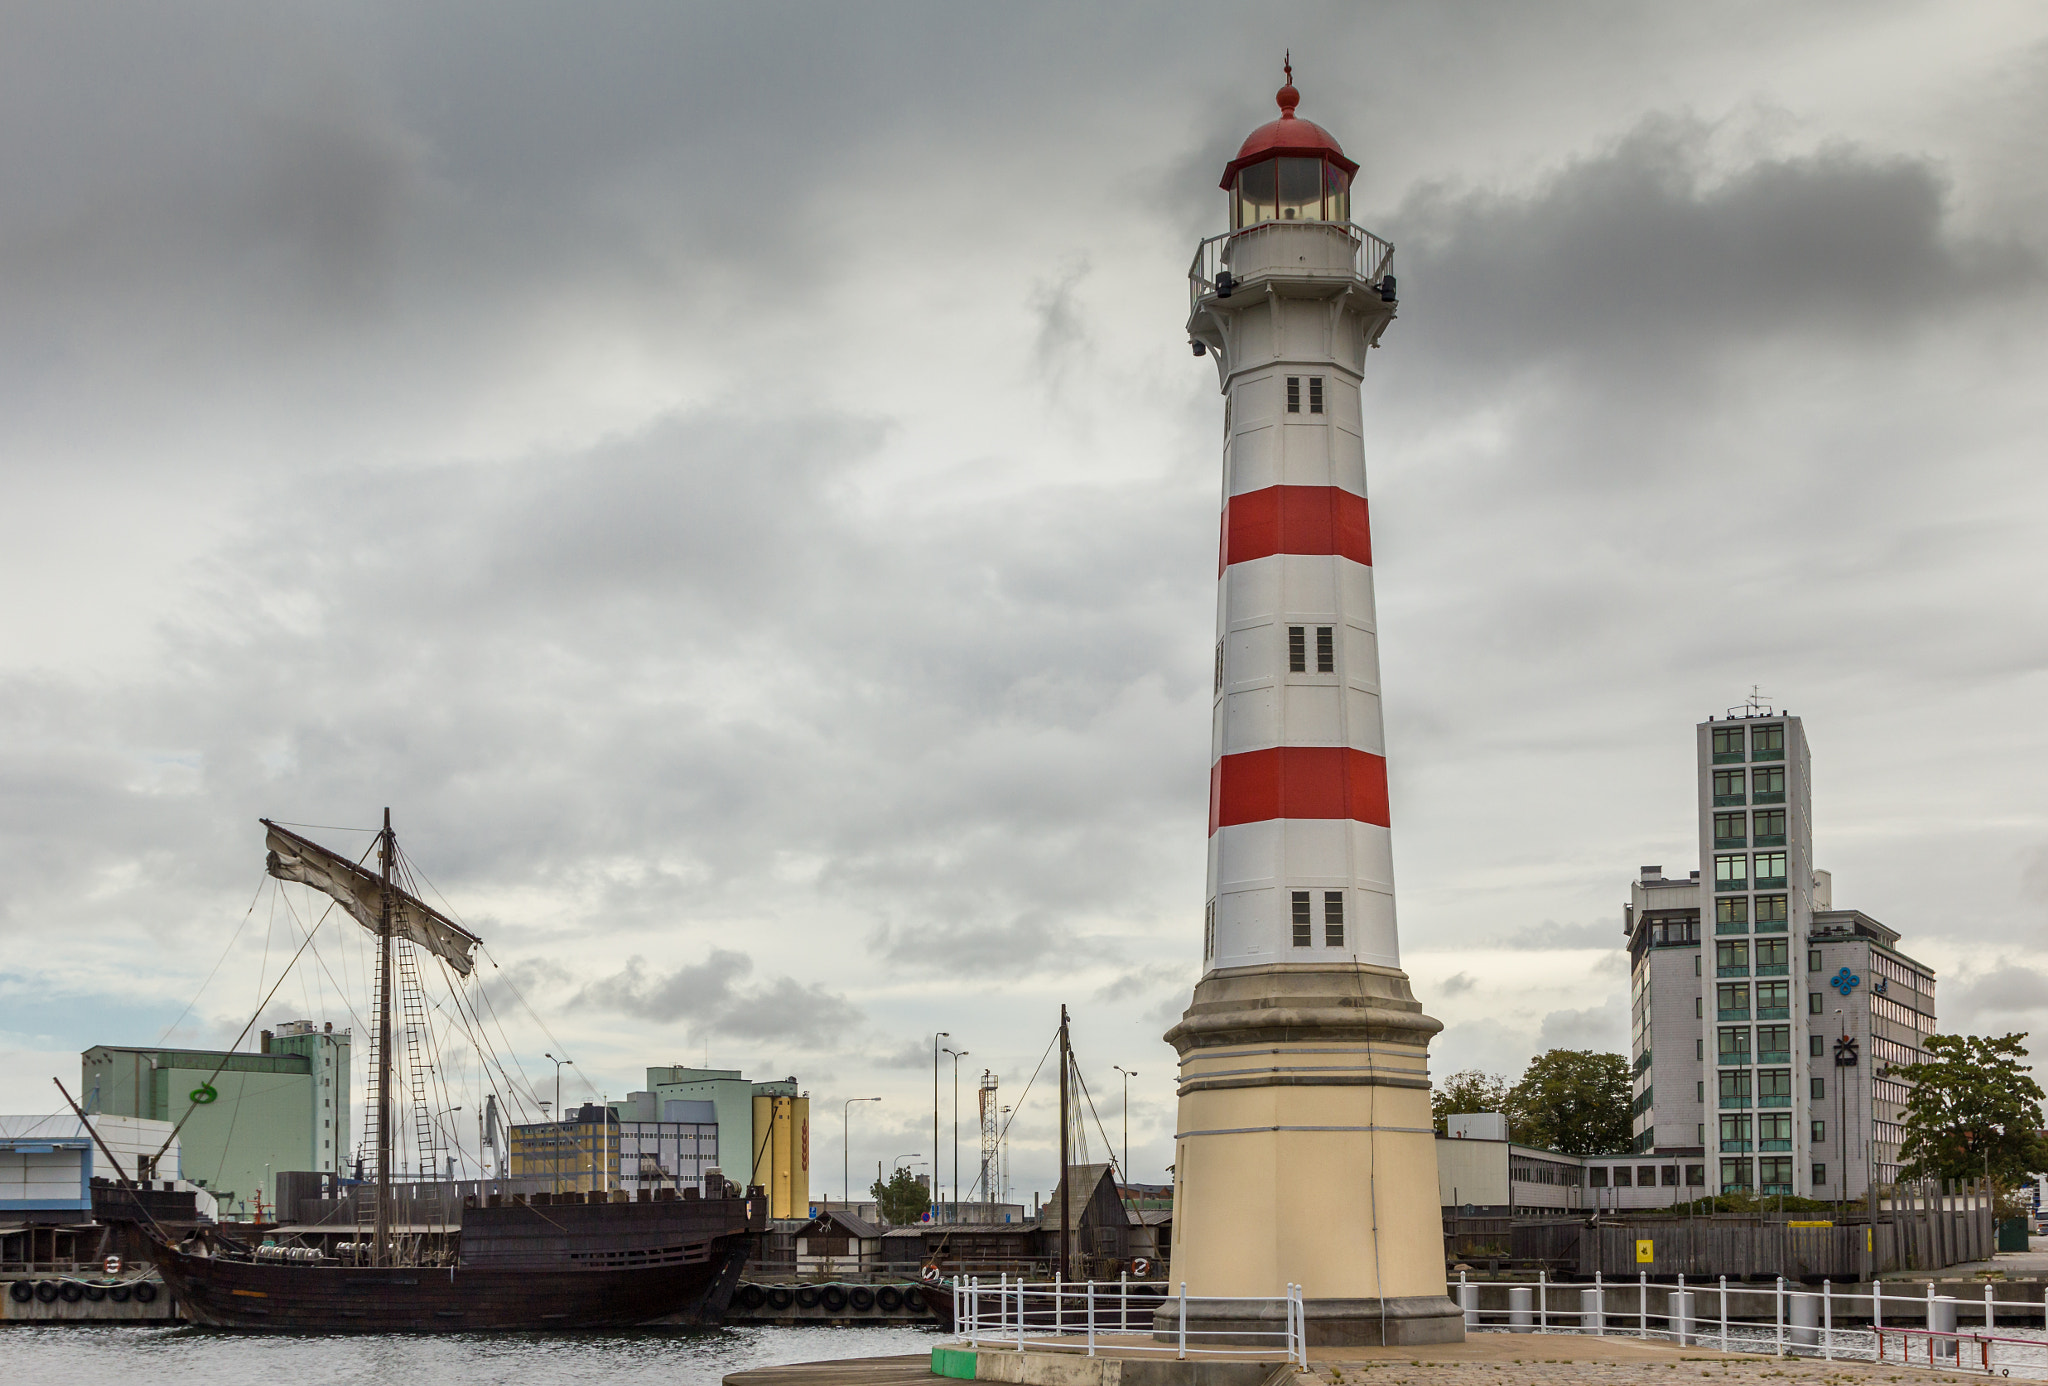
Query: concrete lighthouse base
column 1305, row 1156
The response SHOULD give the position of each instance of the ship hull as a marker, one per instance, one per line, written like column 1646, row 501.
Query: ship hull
column 283, row 1297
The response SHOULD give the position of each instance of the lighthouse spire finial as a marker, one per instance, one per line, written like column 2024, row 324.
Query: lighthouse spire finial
column 1287, row 96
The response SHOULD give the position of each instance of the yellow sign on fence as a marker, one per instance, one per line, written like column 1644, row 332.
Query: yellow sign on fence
column 1809, row 1224
column 1646, row 1252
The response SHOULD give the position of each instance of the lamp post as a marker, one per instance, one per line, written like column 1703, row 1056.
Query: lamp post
column 557, row 1142
column 943, row 1034
column 1128, row 1073
column 845, row 1144
column 958, row 1055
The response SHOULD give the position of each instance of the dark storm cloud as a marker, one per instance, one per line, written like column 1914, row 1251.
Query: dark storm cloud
column 708, row 998
column 1642, row 264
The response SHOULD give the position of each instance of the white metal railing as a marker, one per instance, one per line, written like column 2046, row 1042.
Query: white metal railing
column 1118, row 1315
column 1773, row 1318
column 1369, row 255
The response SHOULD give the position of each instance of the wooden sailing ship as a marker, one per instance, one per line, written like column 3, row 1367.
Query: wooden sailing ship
column 587, row 1259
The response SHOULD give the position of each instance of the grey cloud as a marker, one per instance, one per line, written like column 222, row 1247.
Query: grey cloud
column 1603, row 1027
column 1646, row 262
column 709, row 999
column 1457, row 984
column 2010, row 990
column 1552, row 935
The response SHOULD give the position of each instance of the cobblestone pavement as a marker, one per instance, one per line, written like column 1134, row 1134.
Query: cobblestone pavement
column 1499, row 1359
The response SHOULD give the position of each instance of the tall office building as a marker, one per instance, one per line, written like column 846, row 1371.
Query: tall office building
column 1765, row 1024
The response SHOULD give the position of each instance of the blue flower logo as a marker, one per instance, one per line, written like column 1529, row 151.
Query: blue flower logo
column 1844, row 981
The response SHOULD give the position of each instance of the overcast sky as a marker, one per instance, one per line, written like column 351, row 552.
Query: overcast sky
column 733, row 480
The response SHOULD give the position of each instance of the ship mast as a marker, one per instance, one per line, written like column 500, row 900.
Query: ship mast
column 378, row 1248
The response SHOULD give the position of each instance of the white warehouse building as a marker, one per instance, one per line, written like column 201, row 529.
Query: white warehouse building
column 1765, row 1024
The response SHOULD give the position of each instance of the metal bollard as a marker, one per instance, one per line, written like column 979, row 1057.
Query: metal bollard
column 1941, row 1318
column 1091, row 1316
column 1682, row 1313
column 1592, row 1315
column 1521, row 1309
column 1468, row 1300
column 1805, row 1317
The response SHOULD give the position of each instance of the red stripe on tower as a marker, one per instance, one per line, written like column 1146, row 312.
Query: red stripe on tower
column 1295, row 519
column 1298, row 782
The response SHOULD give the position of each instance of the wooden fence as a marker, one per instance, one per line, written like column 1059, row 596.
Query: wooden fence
column 1920, row 1229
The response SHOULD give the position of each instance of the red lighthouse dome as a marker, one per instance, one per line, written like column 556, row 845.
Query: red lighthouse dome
column 1289, row 169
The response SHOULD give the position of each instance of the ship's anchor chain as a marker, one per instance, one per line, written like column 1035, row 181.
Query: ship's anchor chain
column 202, row 1094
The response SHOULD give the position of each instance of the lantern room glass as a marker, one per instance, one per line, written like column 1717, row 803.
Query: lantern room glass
column 1290, row 190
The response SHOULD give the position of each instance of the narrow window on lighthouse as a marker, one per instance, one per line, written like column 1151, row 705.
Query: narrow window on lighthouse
column 1297, row 649
column 1315, row 394
column 1294, row 394
column 1209, row 932
column 1304, row 927
column 1219, row 667
column 1326, row 650
column 1333, row 918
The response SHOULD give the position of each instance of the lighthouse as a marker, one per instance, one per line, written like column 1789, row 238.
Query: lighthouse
column 1304, row 1151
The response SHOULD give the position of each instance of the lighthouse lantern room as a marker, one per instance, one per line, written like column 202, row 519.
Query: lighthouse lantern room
column 1304, row 1151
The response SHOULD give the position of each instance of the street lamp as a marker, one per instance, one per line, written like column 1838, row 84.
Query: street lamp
column 958, row 1055
column 557, row 1142
column 1128, row 1073
column 845, row 1144
column 943, row 1034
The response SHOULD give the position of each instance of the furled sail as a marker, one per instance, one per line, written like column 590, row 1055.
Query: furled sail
column 361, row 893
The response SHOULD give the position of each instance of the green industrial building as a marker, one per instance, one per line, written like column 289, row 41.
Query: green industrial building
column 283, row 1108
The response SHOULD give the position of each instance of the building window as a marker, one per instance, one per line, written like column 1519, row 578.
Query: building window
column 1767, row 743
column 1813, row 960
column 1696, row 1175
column 1773, row 1000
column 1315, row 394
column 1735, row 1087
column 1297, row 649
column 1813, row 1003
column 1219, row 666
column 1326, row 650
column 1699, row 1090
column 1735, row 1044
column 1771, row 957
column 1774, row 1044
column 1294, row 394
column 1820, row 1174
column 1771, row 914
column 1768, row 784
column 1596, row 1177
column 1731, row 830
column 1623, row 1176
column 1333, row 918
column 1773, row 1130
column 1699, row 1048
column 1819, row 1092
column 1209, row 931
column 1735, row 1133
column 1770, row 870
column 1731, row 959
column 1774, row 1174
column 1696, row 1008
column 1727, row 744
column 1770, row 828
column 1731, row 873
column 1819, row 1132
column 1728, row 788
column 1735, row 1176
column 1816, row 1046
column 1731, row 999
column 1304, row 927
column 1774, row 1087
column 1731, row 916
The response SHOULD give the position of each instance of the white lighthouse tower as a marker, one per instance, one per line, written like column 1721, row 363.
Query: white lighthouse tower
column 1304, row 1152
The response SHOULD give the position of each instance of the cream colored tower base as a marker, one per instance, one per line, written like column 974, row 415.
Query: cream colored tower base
column 1305, row 1155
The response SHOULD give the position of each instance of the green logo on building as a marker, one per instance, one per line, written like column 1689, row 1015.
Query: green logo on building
column 202, row 1094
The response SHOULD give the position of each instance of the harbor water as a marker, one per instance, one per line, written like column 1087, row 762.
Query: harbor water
column 83, row 1355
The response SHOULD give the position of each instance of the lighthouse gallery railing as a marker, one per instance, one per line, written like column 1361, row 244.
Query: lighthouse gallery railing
column 1369, row 254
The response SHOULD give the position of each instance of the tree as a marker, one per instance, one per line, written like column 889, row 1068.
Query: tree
column 1974, row 1111
column 1573, row 1101
column 1472, row 1090
column 903, row 1199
